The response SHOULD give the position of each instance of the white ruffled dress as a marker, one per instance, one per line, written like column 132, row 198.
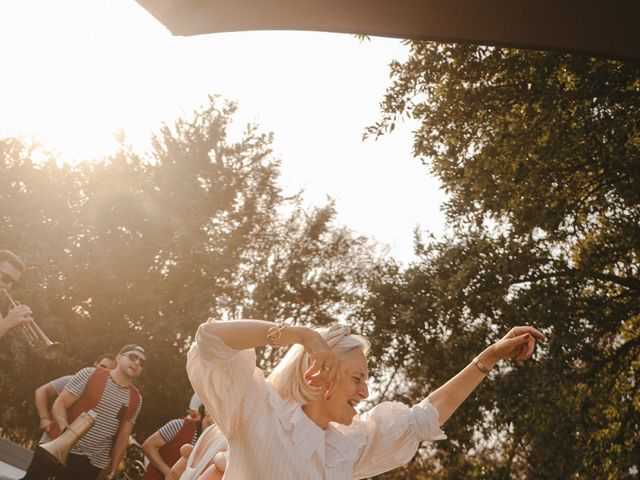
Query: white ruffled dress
column 273, row 439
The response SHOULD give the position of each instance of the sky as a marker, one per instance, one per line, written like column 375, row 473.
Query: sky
column 76, row 72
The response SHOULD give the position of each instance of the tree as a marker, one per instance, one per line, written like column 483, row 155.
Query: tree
column 143, row 249
column 540, row 156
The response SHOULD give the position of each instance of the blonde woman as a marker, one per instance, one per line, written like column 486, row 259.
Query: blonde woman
column 301, row 422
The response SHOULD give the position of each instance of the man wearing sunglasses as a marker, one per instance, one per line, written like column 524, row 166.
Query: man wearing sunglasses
column 39, row 466
column 11, row 269
column 112, row 395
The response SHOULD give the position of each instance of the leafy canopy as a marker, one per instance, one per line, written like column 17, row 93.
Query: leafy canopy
column 540, row 156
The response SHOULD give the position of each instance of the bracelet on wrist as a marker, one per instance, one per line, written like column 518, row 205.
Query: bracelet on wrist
column 274, row 334
column 476, row 361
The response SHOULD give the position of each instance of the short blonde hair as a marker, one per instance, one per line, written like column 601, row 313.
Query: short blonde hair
column 288, row 376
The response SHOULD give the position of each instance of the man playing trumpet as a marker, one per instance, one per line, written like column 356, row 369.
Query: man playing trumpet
column 11, row 269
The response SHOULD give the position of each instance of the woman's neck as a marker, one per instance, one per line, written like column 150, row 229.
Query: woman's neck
column 317, row 414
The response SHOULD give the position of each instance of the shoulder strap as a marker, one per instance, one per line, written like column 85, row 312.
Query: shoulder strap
column 134, row 401
column 87, row 400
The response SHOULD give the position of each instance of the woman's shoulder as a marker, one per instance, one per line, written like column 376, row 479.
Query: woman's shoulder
column 283, row 409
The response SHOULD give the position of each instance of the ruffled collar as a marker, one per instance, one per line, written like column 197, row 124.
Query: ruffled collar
column 307, row 437
column 344, row 443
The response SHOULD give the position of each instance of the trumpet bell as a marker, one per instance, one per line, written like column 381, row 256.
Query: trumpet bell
column 52, row 351
column 57, row 450
column 131, row 467
column 134, row 470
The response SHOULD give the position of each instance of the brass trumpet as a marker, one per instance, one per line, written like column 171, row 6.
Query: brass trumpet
column 132, row 465
column 36, row 338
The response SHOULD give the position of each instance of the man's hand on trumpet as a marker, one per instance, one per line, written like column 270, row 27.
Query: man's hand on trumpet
column 16, row 316
column 11, row 270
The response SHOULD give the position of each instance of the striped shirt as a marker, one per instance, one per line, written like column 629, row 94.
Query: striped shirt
column 58, row 385
column 96, row 443
column 170, row 430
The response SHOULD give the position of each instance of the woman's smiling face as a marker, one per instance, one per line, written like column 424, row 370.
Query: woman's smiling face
column 351, row 388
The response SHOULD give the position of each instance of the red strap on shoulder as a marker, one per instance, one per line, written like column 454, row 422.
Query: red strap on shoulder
column 87, row 400
column 134, row 402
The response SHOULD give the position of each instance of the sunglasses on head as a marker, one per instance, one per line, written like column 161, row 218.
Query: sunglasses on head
column 7, row 279
column 136, row 358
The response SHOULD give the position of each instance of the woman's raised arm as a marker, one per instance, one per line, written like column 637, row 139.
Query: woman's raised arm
column 518, row 344
column 245, row 334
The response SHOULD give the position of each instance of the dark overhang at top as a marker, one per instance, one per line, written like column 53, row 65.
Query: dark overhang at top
column 602, row 28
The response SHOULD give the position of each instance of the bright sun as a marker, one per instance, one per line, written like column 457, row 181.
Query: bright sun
column 77, row 72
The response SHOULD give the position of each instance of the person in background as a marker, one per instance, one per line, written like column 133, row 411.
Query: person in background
column 52, row 389
column 207, row 460
column 39, row 467
column 162, row 448
column 194, row 406
column 117, row 402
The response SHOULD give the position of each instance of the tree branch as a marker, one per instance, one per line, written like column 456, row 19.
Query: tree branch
column 630, row 283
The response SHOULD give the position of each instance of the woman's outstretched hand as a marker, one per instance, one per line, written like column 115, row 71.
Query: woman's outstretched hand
column 518, row 344
column 325, row 365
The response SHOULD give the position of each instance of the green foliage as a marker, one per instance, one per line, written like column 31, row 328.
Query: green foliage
column 143, row 250
column 540, row 156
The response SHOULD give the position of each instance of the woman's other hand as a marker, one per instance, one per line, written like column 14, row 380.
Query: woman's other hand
column 325, row 365
column 519, row 344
